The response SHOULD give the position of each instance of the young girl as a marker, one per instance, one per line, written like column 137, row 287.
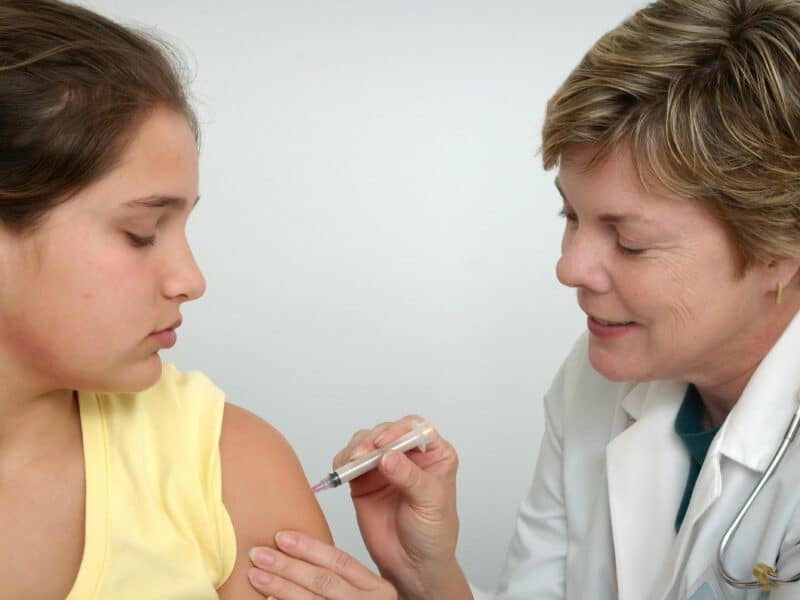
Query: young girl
column 120, row 477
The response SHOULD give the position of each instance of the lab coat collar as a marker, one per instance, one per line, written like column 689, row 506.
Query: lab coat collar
column 647, row 476
column 766, row 405
column 755, row 426
column 635, row 400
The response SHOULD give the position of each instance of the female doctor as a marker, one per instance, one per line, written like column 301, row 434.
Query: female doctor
column 677, row 142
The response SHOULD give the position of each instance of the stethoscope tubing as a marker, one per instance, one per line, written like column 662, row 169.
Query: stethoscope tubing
column 773, row 579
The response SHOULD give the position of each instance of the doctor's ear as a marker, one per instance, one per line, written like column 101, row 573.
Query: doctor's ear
column 782, row 273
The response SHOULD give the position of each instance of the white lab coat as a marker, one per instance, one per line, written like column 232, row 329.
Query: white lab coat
column 599, row 520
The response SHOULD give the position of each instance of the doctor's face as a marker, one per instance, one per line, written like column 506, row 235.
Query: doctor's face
column 656, row 277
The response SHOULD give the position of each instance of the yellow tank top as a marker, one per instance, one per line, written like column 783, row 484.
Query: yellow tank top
column 155, row 523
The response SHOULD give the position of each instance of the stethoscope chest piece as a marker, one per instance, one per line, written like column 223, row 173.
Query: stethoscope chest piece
column 765, row 577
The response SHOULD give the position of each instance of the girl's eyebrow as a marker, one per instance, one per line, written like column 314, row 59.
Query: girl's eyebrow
column 176, row 203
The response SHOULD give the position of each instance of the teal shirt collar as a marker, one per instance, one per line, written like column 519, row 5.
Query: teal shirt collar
column 689, row 427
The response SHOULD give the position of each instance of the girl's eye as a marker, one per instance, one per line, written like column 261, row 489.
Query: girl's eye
column 140, row 241
column 568, row 215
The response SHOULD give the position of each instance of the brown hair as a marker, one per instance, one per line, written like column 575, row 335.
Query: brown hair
column 707, row 97
column 73, row 88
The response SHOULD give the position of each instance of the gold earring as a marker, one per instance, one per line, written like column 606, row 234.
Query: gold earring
column 779, row 292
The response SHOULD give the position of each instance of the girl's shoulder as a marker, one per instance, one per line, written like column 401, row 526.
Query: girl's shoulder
column 264, row 490
column 250, row 477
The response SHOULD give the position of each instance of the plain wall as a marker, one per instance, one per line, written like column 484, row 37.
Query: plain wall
column 376, row 229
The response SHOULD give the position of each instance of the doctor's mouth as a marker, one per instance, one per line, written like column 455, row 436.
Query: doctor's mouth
column 608, row 330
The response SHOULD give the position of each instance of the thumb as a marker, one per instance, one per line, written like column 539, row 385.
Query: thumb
column 417, row 486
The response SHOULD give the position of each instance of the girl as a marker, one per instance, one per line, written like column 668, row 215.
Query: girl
column 120, row 477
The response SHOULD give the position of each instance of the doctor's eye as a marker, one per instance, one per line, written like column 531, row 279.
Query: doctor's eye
column 141, row 241
column 630, row 251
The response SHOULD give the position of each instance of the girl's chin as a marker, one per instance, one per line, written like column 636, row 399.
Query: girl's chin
column 148, row 374
column 135, row 377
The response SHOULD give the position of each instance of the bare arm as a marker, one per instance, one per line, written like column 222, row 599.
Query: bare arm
column 407, row 515
column 264, row 490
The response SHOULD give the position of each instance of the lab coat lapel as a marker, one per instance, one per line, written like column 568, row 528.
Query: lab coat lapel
column 646, row 481
column 707, row 490
column 751, row 433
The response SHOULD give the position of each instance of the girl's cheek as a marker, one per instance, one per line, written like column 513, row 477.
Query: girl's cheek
column 31, row 347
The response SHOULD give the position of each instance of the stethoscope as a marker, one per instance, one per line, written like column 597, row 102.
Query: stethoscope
column 764, row 576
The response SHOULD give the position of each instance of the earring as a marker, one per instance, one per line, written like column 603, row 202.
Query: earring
column 779, row 292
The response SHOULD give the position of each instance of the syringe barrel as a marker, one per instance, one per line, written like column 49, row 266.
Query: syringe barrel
column 422, row 435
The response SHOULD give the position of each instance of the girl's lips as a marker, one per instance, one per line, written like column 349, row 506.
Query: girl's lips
column 606, row 329
column 166, row 338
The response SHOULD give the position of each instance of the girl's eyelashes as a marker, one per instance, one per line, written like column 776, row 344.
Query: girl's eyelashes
column 568, row 215
column 139, row 241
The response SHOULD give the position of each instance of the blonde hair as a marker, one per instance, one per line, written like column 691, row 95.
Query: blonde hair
column 706, row 94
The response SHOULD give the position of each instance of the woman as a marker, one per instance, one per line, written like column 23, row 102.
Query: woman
column 120, row 477
column 677, row 140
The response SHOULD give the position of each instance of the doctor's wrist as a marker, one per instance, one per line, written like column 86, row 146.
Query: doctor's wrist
column 446, row 582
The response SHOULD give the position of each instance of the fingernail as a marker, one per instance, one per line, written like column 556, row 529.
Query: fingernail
column 391, row 461
column 360, row 451
column 261, row 557
column 286, row 540
column 259, row 577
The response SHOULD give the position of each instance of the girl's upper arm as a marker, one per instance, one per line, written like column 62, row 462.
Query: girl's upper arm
column 264, row 491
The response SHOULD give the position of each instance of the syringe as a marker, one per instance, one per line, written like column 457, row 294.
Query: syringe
column 422, row 434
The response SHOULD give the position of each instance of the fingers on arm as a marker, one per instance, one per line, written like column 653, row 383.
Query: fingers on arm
column 304, row 567
column 332, row 559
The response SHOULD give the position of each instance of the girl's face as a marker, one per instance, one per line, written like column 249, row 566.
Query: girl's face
column 82, row 297
column 656, row 277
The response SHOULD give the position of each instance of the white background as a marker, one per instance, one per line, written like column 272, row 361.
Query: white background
column 376, row 229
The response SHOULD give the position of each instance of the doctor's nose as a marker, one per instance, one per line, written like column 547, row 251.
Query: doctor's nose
column 581, row 264
column 183, row 279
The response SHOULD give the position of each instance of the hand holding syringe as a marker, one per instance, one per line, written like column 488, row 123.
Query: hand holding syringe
column 422, row 434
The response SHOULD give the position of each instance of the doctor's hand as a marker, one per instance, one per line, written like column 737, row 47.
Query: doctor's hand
column 304, row 568
column 406, row 511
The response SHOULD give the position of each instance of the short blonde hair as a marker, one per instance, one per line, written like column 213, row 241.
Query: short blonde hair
column 706, row 94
